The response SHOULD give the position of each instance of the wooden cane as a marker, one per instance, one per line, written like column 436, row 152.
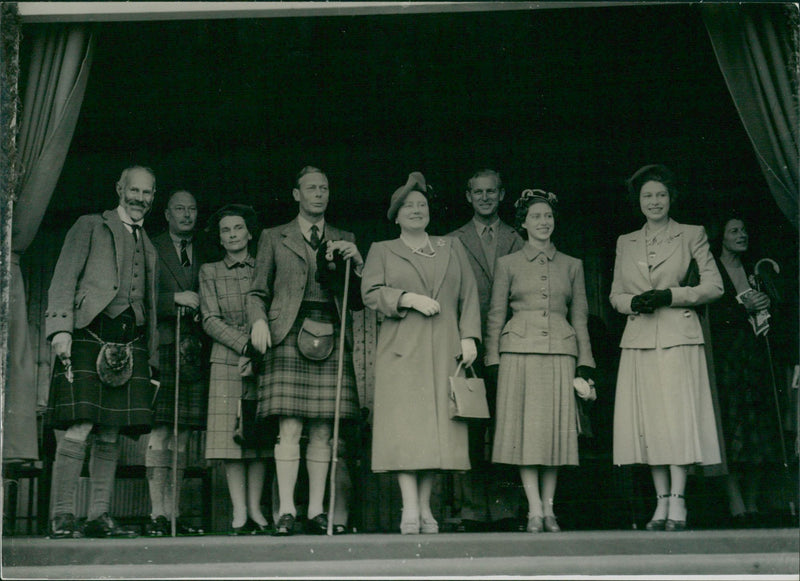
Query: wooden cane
column 336, row 411
column 173, row 520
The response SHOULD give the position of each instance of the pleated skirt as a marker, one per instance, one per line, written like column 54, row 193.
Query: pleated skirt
column 663, row 413
column 535, row 422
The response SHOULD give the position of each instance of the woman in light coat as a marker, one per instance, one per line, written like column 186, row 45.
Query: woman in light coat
column 538, row 349
column 663, row 414
column 426, row 290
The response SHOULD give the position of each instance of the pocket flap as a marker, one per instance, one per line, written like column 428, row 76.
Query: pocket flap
column 317, row 328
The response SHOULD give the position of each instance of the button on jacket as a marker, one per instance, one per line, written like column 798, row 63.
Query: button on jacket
column 545, row 292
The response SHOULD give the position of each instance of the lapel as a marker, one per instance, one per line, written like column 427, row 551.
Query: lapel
column 117, row 229
column 469, row 237
column 293, row 239
column 668, row 248
column 638, row 244
column 331, row 233
column 506, row 236
column 443, row 248
column 398, row 248
column 170, row 259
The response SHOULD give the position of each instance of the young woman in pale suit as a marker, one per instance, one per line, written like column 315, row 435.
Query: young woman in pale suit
column 663, row 414
column 540, row 349
column 425, row 288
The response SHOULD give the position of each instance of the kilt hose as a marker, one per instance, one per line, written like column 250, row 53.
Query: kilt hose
column 128, row 407
column 291, row 385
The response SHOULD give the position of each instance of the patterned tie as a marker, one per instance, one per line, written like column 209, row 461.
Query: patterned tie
column 185, row 255
column 314, row 238
column 488, row 234
column 135, row 231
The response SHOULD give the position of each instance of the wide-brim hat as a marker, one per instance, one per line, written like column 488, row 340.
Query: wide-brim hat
column 415, row 183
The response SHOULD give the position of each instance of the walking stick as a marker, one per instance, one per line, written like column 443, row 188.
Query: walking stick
column 336, row 411
column 175, row 421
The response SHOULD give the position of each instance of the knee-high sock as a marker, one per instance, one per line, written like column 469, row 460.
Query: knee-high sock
column 158, row 472
column 102, row 470
column 287, row 462
column 70, row 455
column 318, row 459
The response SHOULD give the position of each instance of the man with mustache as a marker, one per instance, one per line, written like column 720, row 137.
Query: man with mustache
column 179, row 260
column 488, row 501
column 101, row 320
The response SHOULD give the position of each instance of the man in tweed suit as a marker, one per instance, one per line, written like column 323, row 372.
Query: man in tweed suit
column 486, row 500
column 179, row 260
column 286, row 292
column 103, row 291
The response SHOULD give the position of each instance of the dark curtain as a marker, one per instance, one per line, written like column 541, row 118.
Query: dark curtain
column 755, row 45
column 56, row 82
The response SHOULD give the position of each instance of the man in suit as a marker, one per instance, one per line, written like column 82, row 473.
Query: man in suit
column 179, row 259
column 487, row 500
column 286, row 298
column 101, row 319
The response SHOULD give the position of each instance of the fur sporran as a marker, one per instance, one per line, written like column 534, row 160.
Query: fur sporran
column 115, row 363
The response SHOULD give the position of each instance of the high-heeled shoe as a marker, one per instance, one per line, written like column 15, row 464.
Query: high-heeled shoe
column 551, row 525
column 409, row 527
column 535, row 524
column 428, row 526
column 660, row 523
column 248, row 528
column 673, row 525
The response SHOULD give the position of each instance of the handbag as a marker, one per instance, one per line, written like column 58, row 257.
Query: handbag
column 467, row 396
column 585, row 395
column 315, row 340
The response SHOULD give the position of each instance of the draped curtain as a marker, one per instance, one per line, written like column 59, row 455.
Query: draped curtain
column 756, row 47
column 56, row 82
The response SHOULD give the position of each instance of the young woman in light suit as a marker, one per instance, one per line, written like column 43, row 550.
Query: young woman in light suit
column 663, row 414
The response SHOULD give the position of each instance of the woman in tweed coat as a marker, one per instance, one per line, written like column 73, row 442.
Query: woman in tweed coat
column 223, row 286
column 538, row 349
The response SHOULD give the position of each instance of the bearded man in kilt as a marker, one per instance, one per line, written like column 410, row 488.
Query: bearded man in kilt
column 180, row 255
column 101, row 319
column 286, row 298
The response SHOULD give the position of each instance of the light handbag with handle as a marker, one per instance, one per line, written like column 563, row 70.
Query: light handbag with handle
column 467, row 396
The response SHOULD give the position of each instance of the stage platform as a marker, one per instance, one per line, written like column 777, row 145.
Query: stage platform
column 773, row 552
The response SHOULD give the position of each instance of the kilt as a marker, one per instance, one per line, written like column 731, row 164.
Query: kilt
column 291, row 385
column 193, row 395
column 128, row 407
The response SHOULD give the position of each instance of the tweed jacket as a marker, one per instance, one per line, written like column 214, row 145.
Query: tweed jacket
column 86, row 277
column 279, row 281
column 508, row 241
column 677, row 324
column 172, row 278
column 545, row 292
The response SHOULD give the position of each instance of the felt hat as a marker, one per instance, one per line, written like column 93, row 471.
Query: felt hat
column 415, row 183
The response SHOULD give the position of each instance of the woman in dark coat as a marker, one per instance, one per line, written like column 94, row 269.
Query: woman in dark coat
column 742, row 370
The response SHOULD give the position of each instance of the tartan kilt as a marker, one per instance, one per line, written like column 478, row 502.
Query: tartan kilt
column 128, row 407
column 293, row 386
column 193, row 395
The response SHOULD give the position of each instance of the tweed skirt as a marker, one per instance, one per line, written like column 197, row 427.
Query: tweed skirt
column 291, row 385
column 192, row 396
column 128, row 407
column 535, row 422
column 224, row 392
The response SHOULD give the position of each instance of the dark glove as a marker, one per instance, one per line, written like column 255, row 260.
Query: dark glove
column 657, row 298
column 490, row 373
column 251, row 352
column 640, row 304
column 585, row 372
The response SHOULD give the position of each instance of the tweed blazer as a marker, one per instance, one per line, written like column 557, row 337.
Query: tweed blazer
column 508, row 241
column 677, row 324
column 86, row 277
column 172, row 278
column 279, row 281
column 546, row 294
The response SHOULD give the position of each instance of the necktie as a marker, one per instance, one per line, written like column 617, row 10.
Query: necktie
column 314, row 238
column 488, row 234
column 135, row 231
column 185, row 255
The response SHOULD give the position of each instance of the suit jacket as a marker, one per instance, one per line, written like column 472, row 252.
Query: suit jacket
column 546, row 294
column 677, row 324
column 508, row 241
column 279, row 281
column 173, row 278
column 86, row 277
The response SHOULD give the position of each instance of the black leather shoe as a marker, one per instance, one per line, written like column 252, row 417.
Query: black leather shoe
column 183, row 528
column 265, row 529
column 285, row 525
column 105, row 527
column 470, row 526
column 246, row 529
column 158, row 527
column 63, row 527
column 339, row 530
column 317, row 525
column 674, row 526
column 508, row 525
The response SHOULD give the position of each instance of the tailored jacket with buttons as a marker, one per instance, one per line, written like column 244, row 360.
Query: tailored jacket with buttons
column 172, row 278
column 546, row 295
column 279, row 281
column 677, row 324
column 86, row 277
column 508, row 241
